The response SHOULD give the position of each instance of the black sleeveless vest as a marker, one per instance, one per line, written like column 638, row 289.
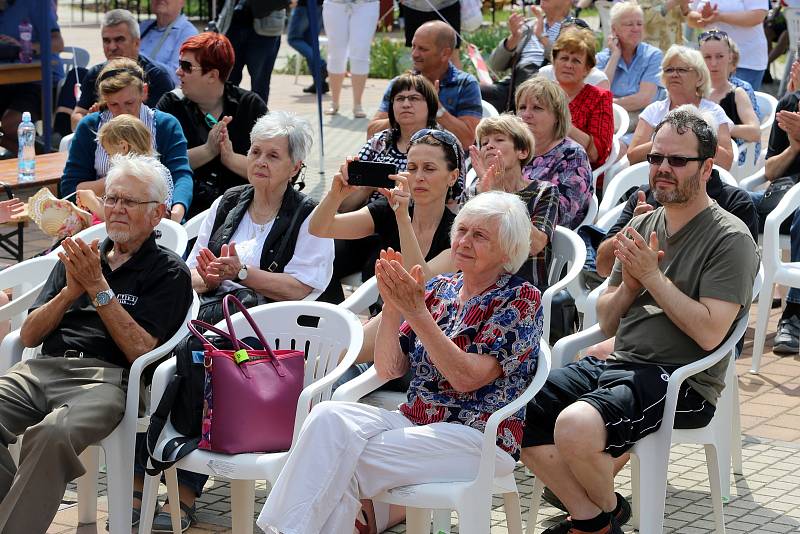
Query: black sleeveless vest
column 282, row 237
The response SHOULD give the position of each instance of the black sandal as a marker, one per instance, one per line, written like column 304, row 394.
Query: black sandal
column 162, row 522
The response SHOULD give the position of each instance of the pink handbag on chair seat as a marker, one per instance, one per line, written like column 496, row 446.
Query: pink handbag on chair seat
column 250, row 396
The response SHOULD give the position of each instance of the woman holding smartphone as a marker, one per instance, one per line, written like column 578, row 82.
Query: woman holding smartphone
column 435, row 163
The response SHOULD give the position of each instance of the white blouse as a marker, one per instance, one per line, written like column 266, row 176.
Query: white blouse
column 311, row 264
column 655, row 112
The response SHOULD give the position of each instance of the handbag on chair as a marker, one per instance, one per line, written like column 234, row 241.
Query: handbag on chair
column 250, row 395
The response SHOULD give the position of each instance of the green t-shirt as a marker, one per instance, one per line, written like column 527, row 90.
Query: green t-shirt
column 712, row 256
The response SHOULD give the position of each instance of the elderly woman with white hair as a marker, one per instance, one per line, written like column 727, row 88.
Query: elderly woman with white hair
column 685, row 76
column 255, row 244
column 470, row 338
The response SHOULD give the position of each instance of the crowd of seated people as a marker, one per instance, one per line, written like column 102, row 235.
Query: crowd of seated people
column 460, row 247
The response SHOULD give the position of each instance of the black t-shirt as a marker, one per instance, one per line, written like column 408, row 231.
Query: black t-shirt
column 386, row 227
column 157, row 78
column 732, row 199
column 778, row 140
column 212, row 179
column 154, row 286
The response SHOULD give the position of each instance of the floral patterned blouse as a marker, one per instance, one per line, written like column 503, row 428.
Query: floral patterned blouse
column 566, row 166
column 504, row 321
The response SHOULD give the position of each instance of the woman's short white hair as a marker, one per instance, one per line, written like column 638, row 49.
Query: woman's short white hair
column 145, row 168
column 620, row 9
column 695, row 60
column 513, row 223
column 283, row 124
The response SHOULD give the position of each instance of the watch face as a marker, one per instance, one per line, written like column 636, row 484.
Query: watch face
column 242, row 272
column 103, row 298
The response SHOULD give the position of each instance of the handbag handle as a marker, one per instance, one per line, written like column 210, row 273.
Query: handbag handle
column 229, row 298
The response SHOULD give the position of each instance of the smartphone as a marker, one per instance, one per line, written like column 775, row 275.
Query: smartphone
column 371, row 173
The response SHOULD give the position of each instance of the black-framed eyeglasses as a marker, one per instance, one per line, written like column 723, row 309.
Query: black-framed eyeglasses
column 575, row 21
column 717, row 35
column 443, row 137
column 187, row 67
column 672, row 161
column 110, row 201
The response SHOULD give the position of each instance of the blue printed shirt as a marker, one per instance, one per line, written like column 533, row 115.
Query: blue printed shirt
column 505, row 322
column 459, row 94
column 645, row 67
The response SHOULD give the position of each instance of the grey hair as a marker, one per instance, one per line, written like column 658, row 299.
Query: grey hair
column 688, row 117
column 283, row 124
column 145, row 168
column 121, row 16
column 695, row 60
column 620, row 9
column 514, row 223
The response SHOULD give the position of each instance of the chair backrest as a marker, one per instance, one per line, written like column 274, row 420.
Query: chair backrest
column 325, row 332
column 363, row 297
column 752, row 161
column 173, row 236
column 771, row 253
column 607, row 164
column 192, row 226
column 607, row 219
column 488, row 109
column 636, row 175
column 735, row 151
column 768, row 103
column 568, row 257
column 72, row 56
column 591, row 215
column 621, row 121
column 26, row 279
column 727, row 176
column 65, row 143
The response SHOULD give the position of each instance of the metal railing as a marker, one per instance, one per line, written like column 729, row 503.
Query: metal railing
column 81, row 11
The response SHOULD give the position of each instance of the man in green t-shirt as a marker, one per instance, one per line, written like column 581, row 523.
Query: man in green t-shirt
column 683, row 275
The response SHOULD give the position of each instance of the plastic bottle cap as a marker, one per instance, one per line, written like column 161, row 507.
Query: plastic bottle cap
column 26, row 116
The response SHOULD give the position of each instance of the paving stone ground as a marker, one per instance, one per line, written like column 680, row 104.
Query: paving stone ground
column 766, row 498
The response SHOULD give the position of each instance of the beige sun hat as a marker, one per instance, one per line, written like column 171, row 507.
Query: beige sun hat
column 57, row 217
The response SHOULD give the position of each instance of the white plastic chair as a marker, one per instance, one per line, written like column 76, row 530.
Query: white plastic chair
column 651, row 454
column 622, row 121
column 192, row 226
column 636, row 175
column 363, row 297
column 65, row 143
column 776, row 271
column 610, row 161
column 26, row 279
column 173, row 236
column 768, row 104
column 336, row 338
column 591, row 215
column 754, row 183
column 568, row 252
column 488, row 109
column 119, row 445
column 472, row 500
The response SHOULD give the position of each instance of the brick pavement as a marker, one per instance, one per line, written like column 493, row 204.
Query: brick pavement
column 766, row 498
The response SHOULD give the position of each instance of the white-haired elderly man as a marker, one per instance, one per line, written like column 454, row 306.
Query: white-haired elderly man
column 683, row 276
column 104, row 305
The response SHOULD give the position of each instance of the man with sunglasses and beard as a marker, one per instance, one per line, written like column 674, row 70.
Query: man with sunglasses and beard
column 683, row 276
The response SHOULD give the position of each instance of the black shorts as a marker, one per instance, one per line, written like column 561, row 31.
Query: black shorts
column 414, row 19
column 22, row 97
column 630, row 398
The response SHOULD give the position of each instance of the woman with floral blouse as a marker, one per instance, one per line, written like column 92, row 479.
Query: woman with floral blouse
column 557, row 159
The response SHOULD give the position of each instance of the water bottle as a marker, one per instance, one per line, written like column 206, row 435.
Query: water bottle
column 26, row 42
column 26, row 158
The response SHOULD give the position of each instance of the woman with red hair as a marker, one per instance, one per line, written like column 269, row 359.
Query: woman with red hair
column 216, row 116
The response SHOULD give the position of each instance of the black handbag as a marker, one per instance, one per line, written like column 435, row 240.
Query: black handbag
column 211, row 307
column 563, row 316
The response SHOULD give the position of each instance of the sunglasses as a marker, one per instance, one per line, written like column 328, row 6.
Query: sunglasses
column 717, row 35
column 187, row 67
column 442, row 137
column 672, row 161
column 575, row 21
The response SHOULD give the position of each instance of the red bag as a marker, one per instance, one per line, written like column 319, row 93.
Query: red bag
column 250, row 394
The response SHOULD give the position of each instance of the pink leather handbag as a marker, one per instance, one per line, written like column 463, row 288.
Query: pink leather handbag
column 250, row 394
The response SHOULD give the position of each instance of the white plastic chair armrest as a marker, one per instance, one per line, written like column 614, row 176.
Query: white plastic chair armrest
column 363, row 297
column 566, row 348
column 486, row 469
column 10, row 350
column 21, row 303
column 360, row 386
column 751, row 183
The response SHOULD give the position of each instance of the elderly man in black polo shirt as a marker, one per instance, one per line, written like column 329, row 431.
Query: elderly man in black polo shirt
column 103, row 306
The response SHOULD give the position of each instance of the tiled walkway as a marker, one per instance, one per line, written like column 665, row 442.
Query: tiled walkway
column 766, row 498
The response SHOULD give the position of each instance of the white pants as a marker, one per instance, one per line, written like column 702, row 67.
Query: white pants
column 349, row 451
column 350, row 28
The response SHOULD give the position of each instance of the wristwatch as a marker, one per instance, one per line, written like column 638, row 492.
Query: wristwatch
column 103, row 297
column 242, row 274
column 440, row 112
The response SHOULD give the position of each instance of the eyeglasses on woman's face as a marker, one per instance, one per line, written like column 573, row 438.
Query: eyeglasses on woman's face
column 414, row 98
column 187, row 66
column 680, row 71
